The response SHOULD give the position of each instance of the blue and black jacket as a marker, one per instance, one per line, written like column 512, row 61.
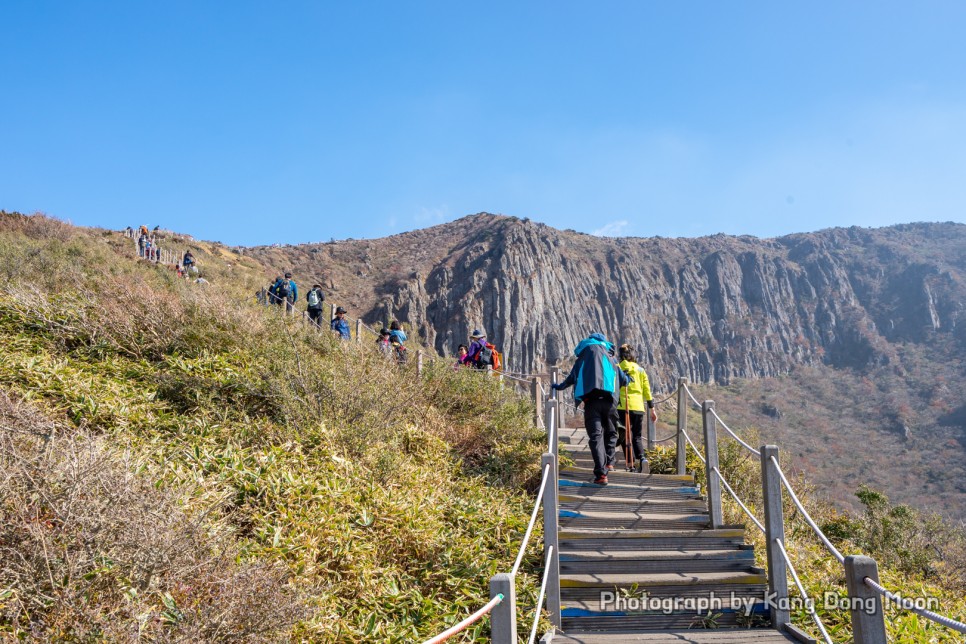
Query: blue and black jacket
column 595, row 369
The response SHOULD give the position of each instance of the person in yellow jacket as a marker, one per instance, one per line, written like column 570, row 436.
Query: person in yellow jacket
column 635, row 398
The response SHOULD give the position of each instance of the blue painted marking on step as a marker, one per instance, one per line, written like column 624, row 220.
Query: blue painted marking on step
column 583, row 612
column 698, row 518
column 570, row 514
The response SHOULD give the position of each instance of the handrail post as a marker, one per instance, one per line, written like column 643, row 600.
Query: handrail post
column 359, row 330
column 651, row 430
column 711, row 464
column 682, row 425
column 554, row 379
column 771, row 487
column 550, row 421
column 868, row 626
column 551, row 538
column 537, row 401
column 331, row 311
column 419, row 362
column 503, row 617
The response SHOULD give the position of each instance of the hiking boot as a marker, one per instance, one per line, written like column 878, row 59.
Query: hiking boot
column 641, row 464
column 601, row 480
column 610, row 467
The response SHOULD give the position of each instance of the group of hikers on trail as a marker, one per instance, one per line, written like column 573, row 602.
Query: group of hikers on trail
column 149, row 249
column 616, row 396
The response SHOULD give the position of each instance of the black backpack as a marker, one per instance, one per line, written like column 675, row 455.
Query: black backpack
column 283, row 289
column 484, row 357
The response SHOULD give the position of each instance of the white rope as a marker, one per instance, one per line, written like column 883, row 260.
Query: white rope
column 734, row 435
column 448, row 633
column 909, row 605
column 801, row 589
column 666, row 398
column 807, row 517
column 688, row 438
column 533, row 519
column 691, row 396
column 735, row 496
column 664, row 440
column 540, row 596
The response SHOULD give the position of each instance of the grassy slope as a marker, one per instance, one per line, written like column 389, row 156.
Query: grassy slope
column 388, row 499
column 310, row 484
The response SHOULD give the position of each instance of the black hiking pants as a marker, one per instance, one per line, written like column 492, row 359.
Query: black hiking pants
column 637, row 433
column 314, row 315
column 600, row 420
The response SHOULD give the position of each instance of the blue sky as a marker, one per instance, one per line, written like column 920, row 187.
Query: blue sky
column 258, row 122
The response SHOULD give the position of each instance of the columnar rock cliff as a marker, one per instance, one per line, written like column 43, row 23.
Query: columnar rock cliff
column 711, row 308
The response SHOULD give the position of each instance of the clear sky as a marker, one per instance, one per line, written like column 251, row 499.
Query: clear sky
column 262, row 122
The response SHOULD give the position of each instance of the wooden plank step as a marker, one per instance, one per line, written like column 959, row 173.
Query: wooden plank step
column 578, row 486
column 742, row 552
column 723, row 619
column 620, row 580
column 631, row 520
column 735, row 532
column 622, row 504
column 593, row 597
column 637, row 561
column 576, row 493
column 692, row 636
column 630, row 478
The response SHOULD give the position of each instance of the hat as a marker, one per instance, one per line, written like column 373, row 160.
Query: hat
column 288, row 275
column 383, row 331
column 340, row 310
column 477, row 334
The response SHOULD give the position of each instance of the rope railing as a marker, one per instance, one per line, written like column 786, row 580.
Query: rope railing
column 533, row 520
column 801, row 589
column 735, row 436
column 466, row 623
column 805, row 515
column 907, row 604
column 737, row 499
column 696, row 450
column 541, row 594
column 691, row 396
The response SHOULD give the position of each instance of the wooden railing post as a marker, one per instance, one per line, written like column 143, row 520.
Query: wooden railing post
column 711, row 463
column 551, row 538
column 554, row 379
column 771, row 487
column 419, row 362
column 550, row 422
column 868, row 626
column 537, row 401
column 651, row 430
column 331, row 311
column 682, row 425
column 503, row 618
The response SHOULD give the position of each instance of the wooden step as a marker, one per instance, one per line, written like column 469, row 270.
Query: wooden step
column 588, row 488
column 575, row 472
column 721, row 619
column 586, row 595
column 629, row 520
column 571, row 538
column 692, row 636
column 707, row 580
column 645, row 561
column 623, row 504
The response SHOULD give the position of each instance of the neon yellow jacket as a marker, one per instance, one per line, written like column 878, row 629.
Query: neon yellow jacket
column 638, row 391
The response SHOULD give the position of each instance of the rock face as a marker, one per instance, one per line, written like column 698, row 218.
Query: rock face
column 711, row 308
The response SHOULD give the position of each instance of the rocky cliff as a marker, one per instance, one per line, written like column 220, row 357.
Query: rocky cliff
column 712, row 308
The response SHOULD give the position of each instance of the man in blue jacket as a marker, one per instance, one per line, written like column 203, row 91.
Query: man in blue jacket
column 596, row 380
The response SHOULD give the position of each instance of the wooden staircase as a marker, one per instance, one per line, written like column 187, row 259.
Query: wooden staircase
column 638, row 555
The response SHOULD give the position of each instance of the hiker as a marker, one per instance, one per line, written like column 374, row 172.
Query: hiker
column 314, row 299
column 285, row 292
column 143, row 230
column 129, row 232
column 188, row 260
column 141, row 241
column 481, row 354
column 596, row 378
column 635, row 398
column 147, row 249
column 382, row 342
column 397, row 338
column 461, row 352
column 339, row 324
column 274, row 297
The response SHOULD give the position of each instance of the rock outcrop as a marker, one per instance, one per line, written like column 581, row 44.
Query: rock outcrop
column 712, row 308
